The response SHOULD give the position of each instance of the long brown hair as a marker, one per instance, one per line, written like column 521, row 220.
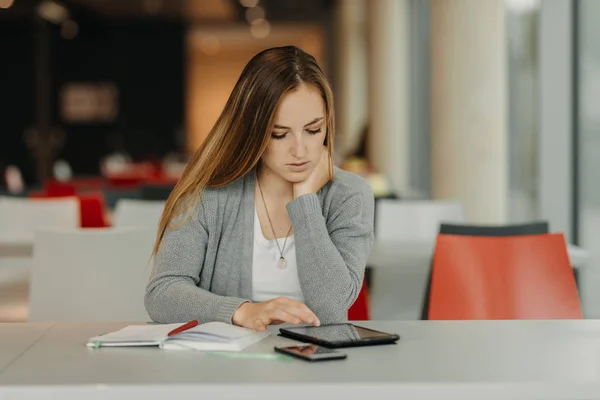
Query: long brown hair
column 243, row 130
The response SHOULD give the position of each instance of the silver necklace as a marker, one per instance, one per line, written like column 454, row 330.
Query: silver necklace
column 282, row 263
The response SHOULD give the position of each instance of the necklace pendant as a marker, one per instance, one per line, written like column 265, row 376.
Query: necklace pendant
column 282, row 263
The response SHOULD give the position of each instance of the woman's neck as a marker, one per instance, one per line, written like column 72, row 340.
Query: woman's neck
column 273, row 185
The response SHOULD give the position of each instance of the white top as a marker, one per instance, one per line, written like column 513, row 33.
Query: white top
column 268, row 281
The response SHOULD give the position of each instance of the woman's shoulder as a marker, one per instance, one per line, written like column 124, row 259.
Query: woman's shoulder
column 225, row 194
column 346, row 184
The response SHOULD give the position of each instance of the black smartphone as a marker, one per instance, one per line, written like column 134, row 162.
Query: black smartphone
column 311, row 352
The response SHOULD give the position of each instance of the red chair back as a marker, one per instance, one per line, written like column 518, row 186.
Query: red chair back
column 88, row 184
column 126, row 181
column 514, row 277
column 359, row 311
column 41, row 195
column 92, row 210
column 55, row 188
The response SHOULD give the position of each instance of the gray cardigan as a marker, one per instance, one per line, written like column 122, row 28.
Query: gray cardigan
column 203, row 270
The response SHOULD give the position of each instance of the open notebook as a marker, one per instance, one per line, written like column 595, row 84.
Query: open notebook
column 212, row 336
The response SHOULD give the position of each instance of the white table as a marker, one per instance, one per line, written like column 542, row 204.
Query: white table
column 434, row 359
column 400, row 272
column 15, row 339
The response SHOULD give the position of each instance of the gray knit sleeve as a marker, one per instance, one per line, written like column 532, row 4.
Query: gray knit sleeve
column 332, row 255
column 172, row 294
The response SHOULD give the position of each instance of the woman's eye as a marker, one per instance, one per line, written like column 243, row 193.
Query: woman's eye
column 313, row 132
column 276, row 136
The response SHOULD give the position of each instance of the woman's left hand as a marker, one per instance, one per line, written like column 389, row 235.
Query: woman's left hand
column 317, row 179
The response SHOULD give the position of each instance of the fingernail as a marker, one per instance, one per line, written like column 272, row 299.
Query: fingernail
column 317, row 323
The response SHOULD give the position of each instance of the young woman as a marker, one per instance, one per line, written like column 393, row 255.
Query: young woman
column 261, row 229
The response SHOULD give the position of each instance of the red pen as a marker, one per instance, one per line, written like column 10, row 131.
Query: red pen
column 182, row 328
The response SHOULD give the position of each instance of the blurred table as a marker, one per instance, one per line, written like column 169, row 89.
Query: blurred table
column 434, row 359
column 15, row 339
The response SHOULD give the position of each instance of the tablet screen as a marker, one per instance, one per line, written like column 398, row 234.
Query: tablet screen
column 339, row 333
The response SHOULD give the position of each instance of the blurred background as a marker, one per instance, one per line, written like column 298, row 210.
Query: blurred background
column 486, row 103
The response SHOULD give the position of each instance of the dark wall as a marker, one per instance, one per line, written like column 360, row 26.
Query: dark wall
column 16, row 94
column 146, row 62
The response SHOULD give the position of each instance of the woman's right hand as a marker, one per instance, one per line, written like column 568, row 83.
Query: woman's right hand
column 258, row 316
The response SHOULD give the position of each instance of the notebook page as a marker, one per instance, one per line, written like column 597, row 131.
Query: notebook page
column 207, row 344
column 135, row 335
column 217, row 331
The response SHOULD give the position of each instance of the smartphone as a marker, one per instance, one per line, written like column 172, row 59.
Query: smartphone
column 311, row 352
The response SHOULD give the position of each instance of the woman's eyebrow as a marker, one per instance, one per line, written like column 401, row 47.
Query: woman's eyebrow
column 287, row 127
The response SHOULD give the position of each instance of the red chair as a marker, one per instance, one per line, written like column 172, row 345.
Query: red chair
column 133, row 175
column 41, row 195
column 92, row 210
column 127, row 181
column 162, row 180
column 56, row 188
column 359, row 311
column 513, row 277
column 88, row 184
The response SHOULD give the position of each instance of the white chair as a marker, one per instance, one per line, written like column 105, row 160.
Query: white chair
column 90, row 275
column 138, row 213
column 410, row 220
column 21, row 217
column 397, row 290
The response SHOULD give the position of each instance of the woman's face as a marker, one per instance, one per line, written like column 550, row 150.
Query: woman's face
column 296, row 142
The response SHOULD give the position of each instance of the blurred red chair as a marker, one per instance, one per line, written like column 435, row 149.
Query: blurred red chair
column 93, row 210
column 87, row 184
column 56, row 188
column 127, row 181
column 162, row 180
column 359, row 311
column 514, row 277
column 41, row 195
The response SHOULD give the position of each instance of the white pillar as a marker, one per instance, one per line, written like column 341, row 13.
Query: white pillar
column 388, row 90
column 468, row 107
column 351, row 74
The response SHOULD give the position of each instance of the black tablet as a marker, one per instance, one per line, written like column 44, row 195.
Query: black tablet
column 339, row 335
